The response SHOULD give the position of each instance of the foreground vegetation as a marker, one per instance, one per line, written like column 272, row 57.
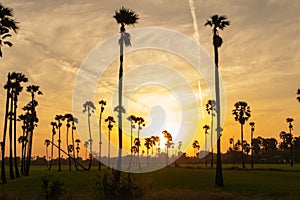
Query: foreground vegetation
column 267, row 182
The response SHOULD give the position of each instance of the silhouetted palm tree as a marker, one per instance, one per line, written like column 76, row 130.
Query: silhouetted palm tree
column 123, row 17
column 47, row 143
column 54, row 126
column 77, row 147
column 168, row 141
column 110, row 125
column 7, row 25
column 89, row 108
column 131, row 118
column 102, row 104
column 58, row 118
column 211, row 109
column 289, row 121
column 205, row 127
column 69, row 118
column 140, row 124
column 241, row 113
column 148, row 145
column 218, row 22
column 196, row 147
column 252, row 125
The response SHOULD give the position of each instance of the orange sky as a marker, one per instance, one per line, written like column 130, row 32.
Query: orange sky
column 258, row 60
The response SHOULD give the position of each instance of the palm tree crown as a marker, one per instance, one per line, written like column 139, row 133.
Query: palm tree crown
column 241, row 112
column 125, row 16
column 217, row 22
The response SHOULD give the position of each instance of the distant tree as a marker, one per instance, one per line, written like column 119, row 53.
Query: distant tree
column 89, row 108
column 47, row 143
column 110, row 120
column 286, row 143
column 231, row 141
column 54, row 127
column 211, row 109
column 241, row 114
column 69, row 118
column 131, row 118
column 218, row 23
column 58, row 118
column 196, row 147
column 102, row 105
column 148, row 145
column 140, row 124
column 205, row 127
column 168, row 142
column 77, row 147
column 7, row 25
column 252, row 125
column 123, row 17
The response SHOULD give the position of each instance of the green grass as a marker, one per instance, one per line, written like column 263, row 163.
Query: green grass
column 174, row 183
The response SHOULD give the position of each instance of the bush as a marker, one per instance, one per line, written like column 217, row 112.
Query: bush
column 52, row 187
column 115, row 185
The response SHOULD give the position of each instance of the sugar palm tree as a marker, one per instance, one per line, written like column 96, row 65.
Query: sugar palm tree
column 47, row 143
column 54, row 127
column 69, row 118
column 102, row 104
column 205, row 127
column 289, row 121
column 168, row 141
column 131, row 118
column 77, row 147
column 218, row 22
column 211, row 109
column 110, row 125
column 7, row 25
column 241, row 113
column 89, row 108
column 252, row 125
column 58, row 118
column 140, row 124
column 196, row 147
column 148, row 144
column 124, row 17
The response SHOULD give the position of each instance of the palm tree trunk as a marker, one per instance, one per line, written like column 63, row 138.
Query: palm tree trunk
column 51, row 158
column 108, row 156
column 59, row 141
column 205, row 149
column 100, row 142
column 219, row 174
column 242, row 135
column 73, row 143
column 11, row 169
column 15, row 136
column 120, row 87
column 252, row 155
column 90, row 133
column 67, row 142
column 211, row 139
column 129, row 166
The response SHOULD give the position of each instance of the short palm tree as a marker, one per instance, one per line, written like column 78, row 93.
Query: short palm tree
column 218, row 22
column 148, row 144
column 7, row 25
column 47, row 143
column 123, row 17
column 205, row 127
column 102, row 105
column 196, row 147
column 77, row 147
column 168, row 141
column 110, row 125
column 241, row 113
column 252, row 125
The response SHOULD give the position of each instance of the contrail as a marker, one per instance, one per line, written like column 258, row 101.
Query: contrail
column 201, row 99
column 195, row 24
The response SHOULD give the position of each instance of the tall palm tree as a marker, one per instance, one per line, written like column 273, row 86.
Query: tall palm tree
column 131, row 118
column 211, row 109
column 7, row 25
column 218, row 22
column 47, row 143
column 89, row 108
column 33, row 90
column 205, row 127
column 58, row 118
column 110, row 125
column 102, row 104
column 252, row 125
column 54, row 126
column 69, row 118
column 289, row 121
column 241, row 113
column 123, row 17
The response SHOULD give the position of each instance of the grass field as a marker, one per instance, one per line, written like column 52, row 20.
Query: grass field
column 268, row 182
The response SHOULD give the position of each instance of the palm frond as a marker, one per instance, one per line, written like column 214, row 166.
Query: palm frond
column 126, row 16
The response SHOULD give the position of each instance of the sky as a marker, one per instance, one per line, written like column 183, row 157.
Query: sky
column 258, row 63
